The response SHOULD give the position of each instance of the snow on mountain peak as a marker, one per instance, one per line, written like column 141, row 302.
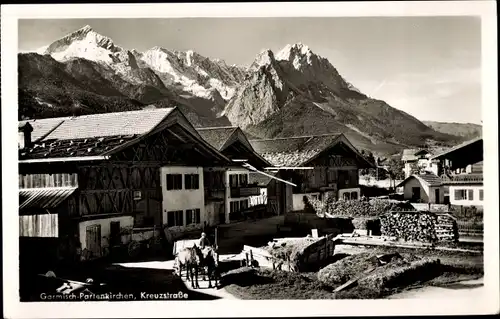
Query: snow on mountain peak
column 297, row 53
column 189, row 56
column 265, row 57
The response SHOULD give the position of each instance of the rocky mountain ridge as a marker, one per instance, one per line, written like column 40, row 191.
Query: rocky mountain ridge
column 291, row 92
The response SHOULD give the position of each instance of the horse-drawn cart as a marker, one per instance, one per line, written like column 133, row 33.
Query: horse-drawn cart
column 178, row 247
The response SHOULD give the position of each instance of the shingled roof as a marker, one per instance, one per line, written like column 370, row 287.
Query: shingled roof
column 217, row 136
column 260, row 179
column 222, row 138
column 297, row 151
column 428, row 179
column 99, row 134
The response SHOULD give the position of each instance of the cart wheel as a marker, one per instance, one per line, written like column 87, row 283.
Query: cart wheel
column 134, row 248
column 105, row 251
column 155, row 244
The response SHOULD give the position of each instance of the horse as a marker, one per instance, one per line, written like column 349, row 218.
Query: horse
column 191, row 258
column 211, row 266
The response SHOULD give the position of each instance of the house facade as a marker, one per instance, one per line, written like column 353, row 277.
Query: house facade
column 232, row 191
column 423, row 188
column 460, row 182
column 418, row 161
column 114, row 172
column 324, row 165
column 463, row 173
column 466, row 191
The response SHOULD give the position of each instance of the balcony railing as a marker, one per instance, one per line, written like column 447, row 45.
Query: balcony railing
column 214, row 194
column 245, row 191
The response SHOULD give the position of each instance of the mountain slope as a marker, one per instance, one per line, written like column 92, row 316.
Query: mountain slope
column 297, row 92
column 48, row 88
column 466, row 130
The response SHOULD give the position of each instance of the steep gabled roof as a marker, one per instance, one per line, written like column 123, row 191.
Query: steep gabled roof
column 259, row 179
column 96, row 125
column 104, row 134
column 298, row 151
column 223, row 137
column 217, row 136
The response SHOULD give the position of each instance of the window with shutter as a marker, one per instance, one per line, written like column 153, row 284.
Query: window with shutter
column 192, row 181
column 174, row 181
column 197, row 215
column 175, row 218
column 471, row 194
column 481, row 194
column 189, row 216
column 233, row 180
column 461, row 194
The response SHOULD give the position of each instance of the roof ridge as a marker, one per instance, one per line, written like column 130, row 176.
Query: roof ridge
column 63, row 118
column 291, row 137
column 215, row 128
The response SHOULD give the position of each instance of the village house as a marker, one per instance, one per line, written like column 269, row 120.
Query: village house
column 320, row 166
column 232, row 190
column 461, row 181
column 463, row 173
column 423, row 188
column 85, row 180
column 418, row 161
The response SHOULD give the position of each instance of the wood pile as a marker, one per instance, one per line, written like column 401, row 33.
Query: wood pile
column 419, row 226
column 446, row 228
column 356, row 208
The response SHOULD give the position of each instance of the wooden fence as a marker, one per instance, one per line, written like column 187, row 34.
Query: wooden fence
column 472, row 229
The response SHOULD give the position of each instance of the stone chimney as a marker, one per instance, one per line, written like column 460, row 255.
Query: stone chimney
column 24, row 135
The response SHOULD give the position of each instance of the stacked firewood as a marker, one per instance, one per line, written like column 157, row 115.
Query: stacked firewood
column 356, row 208
column 410, row 226
column 446, row 228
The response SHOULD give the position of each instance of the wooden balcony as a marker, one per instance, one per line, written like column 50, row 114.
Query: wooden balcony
column 245, row 191
column 214, row 194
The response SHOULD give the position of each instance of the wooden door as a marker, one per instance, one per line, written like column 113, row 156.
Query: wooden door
column 436, row 192
column 415, row 193
column 114, row 233
column 93, row 240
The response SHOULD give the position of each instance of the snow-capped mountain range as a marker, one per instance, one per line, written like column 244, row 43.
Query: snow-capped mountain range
column 203, row 77
column 86, row 72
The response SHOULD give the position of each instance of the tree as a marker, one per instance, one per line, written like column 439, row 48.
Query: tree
column 395, row 168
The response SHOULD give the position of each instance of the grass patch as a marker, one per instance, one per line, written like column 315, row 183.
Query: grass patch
column 346, row 269
column 401, row 274
column 282, row 285
column 413, row 269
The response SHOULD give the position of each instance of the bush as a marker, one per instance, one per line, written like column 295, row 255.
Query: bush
column 465, row 213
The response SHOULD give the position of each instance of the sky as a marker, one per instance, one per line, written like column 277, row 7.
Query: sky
column 429, row 67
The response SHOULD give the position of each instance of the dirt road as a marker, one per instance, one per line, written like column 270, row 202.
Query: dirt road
column 471, row 289
column 169, row 265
